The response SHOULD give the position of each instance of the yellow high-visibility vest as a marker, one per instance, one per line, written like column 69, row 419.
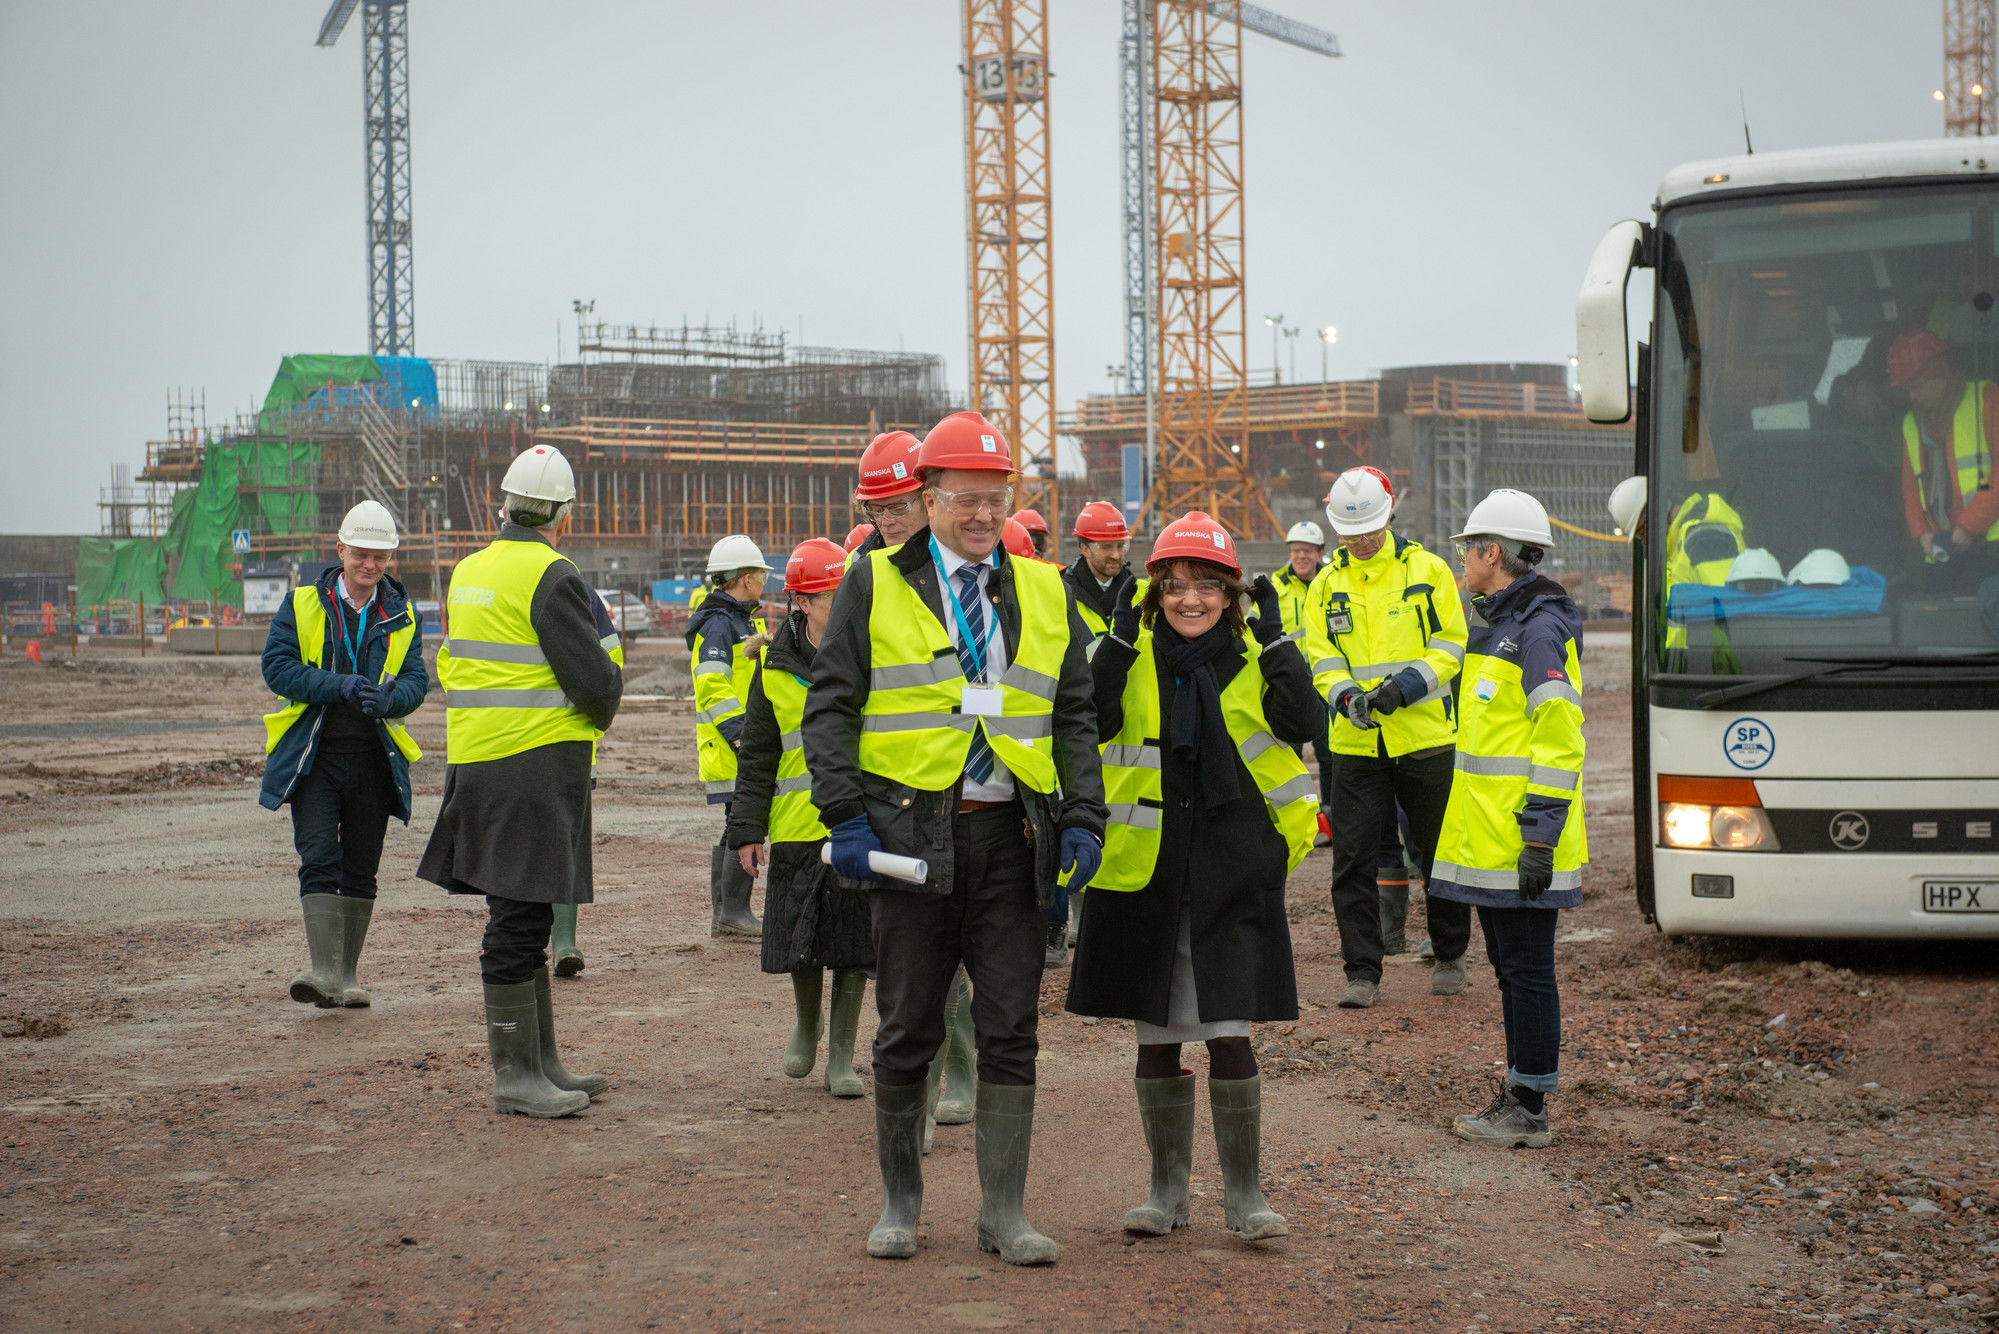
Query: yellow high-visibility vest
column 1367, row 620
column 1970, row 450
column 310, row 614
column 793, row 817
column 719, row 691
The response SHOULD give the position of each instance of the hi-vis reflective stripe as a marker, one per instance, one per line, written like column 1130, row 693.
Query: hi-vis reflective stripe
column 478, row 650
column 791, row 741
column 1368, row 669
column 1500, row 880
column 1136, row 816
column 1297, row 636
column 608, row 642
column 1039, row 684
column 1548, row 690
column 506, row 699
column 710, row 668
column 944, row 667
column 1255, row 744
column 800, row 783
column 1297, row 789
column 1450, row 646
column 912, row 722
column 719, row 710
column 1335, row 663
column 1506, row 766
column 1021, row 729
column 724, row 788
column 1132, row 757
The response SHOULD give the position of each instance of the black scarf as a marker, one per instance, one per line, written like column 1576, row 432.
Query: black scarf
column 1195, row 728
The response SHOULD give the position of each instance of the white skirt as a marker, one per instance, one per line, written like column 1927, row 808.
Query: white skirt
column 1183, row 1007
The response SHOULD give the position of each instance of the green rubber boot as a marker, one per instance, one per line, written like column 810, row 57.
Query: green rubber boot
column 960, row 1056
column 802, row 1052
column 324, row 937
column 729, row 893
column 850, row 988
column 1166, row 1110
column 355, row 914
column 551, row 1065
column 931, row 1085
column 565, row 958
column 1238, row 1108
column 1004, row 1131
column 513, row 1039
column 1392, row 890
column 898, row 1127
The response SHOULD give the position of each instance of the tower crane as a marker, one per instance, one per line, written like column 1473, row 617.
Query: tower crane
column 385, row 83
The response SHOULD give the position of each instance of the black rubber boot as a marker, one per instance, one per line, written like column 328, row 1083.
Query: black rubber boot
column 1004, row 1130
column 730, row 888
column 959, row 1054
column 850, row 989
column 355, row 914
column 564, row 958
column 1392, row 889
column 513, row 1039
column 324, row 939
column 552, row 1068
column 1166, row 1110
column 1238, row 1108
column 808, row 986
column 898, row 1128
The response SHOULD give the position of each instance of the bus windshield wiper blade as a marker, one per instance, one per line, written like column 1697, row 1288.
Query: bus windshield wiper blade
column 1826, row 664
column 1744, row 689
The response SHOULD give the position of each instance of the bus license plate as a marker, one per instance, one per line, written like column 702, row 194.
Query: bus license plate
column 1961, row 896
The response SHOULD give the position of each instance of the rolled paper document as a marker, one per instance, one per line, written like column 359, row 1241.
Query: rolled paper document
column 913, row 869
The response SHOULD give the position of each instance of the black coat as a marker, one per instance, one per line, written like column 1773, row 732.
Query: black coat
column 519, row 827
column 912, row 821
column 1227, row 866
column 812, row 917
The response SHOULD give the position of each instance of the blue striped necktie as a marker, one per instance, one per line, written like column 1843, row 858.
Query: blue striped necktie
column 979, row 760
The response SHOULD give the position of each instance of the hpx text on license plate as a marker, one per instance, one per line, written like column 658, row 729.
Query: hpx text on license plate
column 1961, row 896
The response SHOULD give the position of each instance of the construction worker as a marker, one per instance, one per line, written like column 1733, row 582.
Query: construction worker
column 345, row 653
column 950, row 719
column 1305, row 555
column 1513, row 843
column 1948, row 500
column 889, row 492
column 1037, row 533
column 565, row 958
column 1187, row 932
column 1014, row 537
column 724, row 638
column 813, row 919
column 1385, row 633
column 858, row 534
column 528, row 690
column 1100, row 579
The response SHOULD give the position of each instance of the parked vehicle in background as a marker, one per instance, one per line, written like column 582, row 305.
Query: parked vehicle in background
column 629, row 613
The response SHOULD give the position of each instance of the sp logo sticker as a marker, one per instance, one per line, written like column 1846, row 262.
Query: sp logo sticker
column 1749, row 743
column 1848, row 831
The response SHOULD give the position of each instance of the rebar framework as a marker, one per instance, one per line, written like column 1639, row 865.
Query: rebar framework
column 1012, row 354
column 385, row 75
column 1197, row 164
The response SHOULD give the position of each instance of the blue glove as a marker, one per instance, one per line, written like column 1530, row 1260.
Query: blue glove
column 852, row 841
column 351, row 687
column 1081, row 856
column 378, row 699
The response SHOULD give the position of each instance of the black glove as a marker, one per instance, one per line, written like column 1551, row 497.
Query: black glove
column 1124, row 620
column 378, row 699
column 1537, row 871
column 1269, row 625
column 1355, row 706
column 1385, row 698
column 351, row 688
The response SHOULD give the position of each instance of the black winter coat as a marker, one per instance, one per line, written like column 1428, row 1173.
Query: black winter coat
column 812, row 917
column 911, row 821
column 1226, row 866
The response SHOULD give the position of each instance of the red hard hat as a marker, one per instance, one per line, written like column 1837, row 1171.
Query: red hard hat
column 1912, row 354
column 888, row 467
column 858, row 534
column 815, row 566
column 965, row 440
column 1101, row 521
column 1031, row 520
column 1194, row 536
column 1013, row 536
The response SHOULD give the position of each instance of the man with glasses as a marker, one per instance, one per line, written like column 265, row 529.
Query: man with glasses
column 890, row 493
column 951, row 718
column 1101, row 578
column 1385, row 633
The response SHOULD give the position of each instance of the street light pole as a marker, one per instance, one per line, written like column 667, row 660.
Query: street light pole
column 1327, row 337
column 1276, row 323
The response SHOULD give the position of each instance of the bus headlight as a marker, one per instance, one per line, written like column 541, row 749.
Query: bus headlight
column 1689, row 826
column 1729, row 828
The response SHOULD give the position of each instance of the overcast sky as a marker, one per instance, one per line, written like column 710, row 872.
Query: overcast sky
column 184, row 197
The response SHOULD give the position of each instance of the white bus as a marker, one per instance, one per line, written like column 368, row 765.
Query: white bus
column 1815, row 675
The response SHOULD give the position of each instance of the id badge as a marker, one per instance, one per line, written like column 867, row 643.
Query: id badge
column 982, row 702
column 1339, row 622
column 1485, row 689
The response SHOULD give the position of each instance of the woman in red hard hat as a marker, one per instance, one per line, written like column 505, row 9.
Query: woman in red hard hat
column 813, row 920
column 1184, row 928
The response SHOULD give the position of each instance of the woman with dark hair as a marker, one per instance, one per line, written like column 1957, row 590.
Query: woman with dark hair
column 1183, row 927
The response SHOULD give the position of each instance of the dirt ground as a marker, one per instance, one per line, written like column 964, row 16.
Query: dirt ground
column 1750, row 1136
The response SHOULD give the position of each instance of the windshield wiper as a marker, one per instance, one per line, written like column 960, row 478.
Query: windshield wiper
column 1826, row 664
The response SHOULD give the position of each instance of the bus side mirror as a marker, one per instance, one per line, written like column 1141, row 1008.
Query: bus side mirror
column 1603, row 342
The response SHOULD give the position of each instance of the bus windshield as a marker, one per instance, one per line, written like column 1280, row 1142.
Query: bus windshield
column 1826, row 404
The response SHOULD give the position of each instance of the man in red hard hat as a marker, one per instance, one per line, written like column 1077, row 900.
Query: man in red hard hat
column 1948, row 498
column 1101, row 578
column 1037, row 531
column 889, row 492
column 951, row 718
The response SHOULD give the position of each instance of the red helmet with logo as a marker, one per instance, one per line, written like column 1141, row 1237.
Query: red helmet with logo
column 1031, row 520
column 888, row 467
column 815, row 567
column 1101, row 521
column 858, row 534
column 1013, row 536
column 965, row 440
column 1912, row 354
column 1195, row 536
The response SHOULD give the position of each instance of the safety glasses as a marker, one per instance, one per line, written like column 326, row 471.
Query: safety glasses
column 967, row 504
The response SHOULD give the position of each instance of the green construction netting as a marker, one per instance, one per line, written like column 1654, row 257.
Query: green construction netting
column 300, row 376
column 125, row 569
column 205, row 517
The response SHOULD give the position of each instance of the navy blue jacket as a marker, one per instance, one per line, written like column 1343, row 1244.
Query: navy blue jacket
column 318, row 687
column 1530, row 623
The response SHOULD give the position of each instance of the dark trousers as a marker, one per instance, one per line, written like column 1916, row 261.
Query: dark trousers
column 1366, row 789
column 340, row 812
column 1521, row 944
column 1058, row 907
column 516, row 940
column 992, row 922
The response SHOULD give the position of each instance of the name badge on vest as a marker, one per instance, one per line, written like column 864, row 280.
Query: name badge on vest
column 981, row 702
column 1339, row 622
column 1485, row 689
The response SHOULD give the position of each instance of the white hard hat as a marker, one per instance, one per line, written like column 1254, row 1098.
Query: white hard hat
column 735, row 552
column 1359, row 502
column 1508, row 513
column 540, row 473
column 1306, row 531
column 1627, row 505
column 1756, row 563
column 1823, row 568
column 369, row 525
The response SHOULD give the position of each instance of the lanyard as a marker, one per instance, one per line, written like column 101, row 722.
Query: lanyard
column 972, row 645
column 351, row 644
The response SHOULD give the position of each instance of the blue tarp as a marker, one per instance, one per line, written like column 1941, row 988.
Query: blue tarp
column 406, row 382
column 1861, row 595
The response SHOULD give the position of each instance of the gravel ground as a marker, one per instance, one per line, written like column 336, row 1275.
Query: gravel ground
column 1751, row 1135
